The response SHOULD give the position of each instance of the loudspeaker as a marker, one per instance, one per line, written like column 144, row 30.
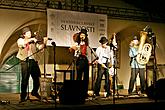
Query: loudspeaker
column 73, row 92
column 157, row 92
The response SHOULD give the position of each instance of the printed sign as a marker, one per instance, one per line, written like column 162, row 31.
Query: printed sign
column 63, row 24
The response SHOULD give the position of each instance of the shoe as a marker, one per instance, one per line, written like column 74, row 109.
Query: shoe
column 108, row 95
column 130, row 93
column 143, row 95
column 96, row 95
column 87, row 95
column 36, row 95
column 22, row 100
column 53, row 97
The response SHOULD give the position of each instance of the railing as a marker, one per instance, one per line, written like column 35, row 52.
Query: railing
column 112, row 12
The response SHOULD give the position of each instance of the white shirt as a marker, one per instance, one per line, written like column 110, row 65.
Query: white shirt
column 104, row 54
column 23, row 53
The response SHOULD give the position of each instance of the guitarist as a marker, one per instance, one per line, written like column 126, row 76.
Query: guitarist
column 104, row 54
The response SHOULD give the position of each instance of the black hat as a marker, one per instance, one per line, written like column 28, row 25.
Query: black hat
column 84, row 31
column 103, row 40
column 25, row 29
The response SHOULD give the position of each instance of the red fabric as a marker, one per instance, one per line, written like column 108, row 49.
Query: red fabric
column 83, row 49
column 27, row 47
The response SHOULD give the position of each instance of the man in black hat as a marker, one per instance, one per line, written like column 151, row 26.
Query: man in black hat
column 105, row 55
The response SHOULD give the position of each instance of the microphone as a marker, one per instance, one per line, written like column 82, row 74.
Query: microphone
column 35, row 33
column 49, row 38
column 105, row 57
column 53, row 43
column 111, row 45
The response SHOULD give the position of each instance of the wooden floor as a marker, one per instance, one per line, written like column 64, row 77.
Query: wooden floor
column 120, row 102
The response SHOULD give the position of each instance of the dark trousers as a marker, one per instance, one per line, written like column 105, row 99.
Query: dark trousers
column 134, row 73
column 102, row 71
column 82, row 67
column 29, row 67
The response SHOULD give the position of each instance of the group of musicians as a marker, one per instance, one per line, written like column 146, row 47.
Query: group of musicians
column 105, row 59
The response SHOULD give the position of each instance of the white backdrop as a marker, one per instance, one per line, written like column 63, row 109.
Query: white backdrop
column 63, row 24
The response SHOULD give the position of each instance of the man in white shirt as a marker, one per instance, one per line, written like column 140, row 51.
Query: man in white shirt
column 105, row 55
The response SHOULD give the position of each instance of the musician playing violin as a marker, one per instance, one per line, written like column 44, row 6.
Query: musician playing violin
column 28, row 56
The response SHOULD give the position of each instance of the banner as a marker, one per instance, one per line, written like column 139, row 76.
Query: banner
column 63, row 24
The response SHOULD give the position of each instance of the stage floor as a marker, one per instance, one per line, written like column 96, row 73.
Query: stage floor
column 10, row 101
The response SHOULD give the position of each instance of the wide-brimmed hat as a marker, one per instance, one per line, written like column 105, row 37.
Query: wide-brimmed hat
column 25, row 29
column 103, row 40
column 84, row 31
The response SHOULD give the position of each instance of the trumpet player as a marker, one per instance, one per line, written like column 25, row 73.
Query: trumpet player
column 136, row 68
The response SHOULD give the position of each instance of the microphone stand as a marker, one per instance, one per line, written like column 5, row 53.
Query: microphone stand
column 73, row 64
column 55, row 75
column 92, row 51
column 114, row 48
column 155, row 62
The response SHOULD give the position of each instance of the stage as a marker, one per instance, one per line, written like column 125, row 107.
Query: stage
column 10, row 101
